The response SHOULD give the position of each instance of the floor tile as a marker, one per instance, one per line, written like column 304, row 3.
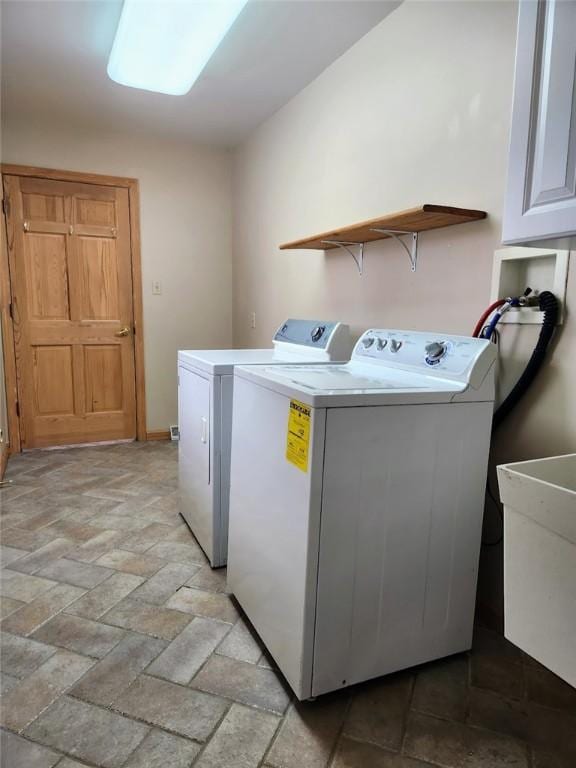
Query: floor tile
column 156, row 514
column 10, row 554
column 41, row 520
column 163, row 750
column 84, row 575
column 241, row 739
column 27, row 619
column 245, row 683
column 241, row 643
column 114, row 522
column 441, row 688
column 105, row 596
column 545, row 759
column 489, row 710
column 87, row 732
column 357, row 754
column 142, row 540
column 173, row 707
column 553, row 731
column 453, row 745
column 75, row 530
column 19, row 656
column 34, row 561
column 209, row 579
column 24, row 703
column 111, row 676
column 98, row 546
column 8, row 606
column 29, row 541
column 21, row 586
column 81, row 635
column 16, row 752
column 189, row 650
column 314, row 727
column 498, row 675
column 7, row 682
column 378, row 710
column 496, row 665
column 160, row 587
column 175, row 552
column 130, row 562
column 212, row 605
column 545, row 688
column 148, row 619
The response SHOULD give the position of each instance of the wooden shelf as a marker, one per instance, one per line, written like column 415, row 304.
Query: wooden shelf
column 413, row 220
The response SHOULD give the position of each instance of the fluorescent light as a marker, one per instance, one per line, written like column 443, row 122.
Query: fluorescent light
column 163, row 45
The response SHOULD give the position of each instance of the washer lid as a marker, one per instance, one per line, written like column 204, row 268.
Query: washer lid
column 352, row 384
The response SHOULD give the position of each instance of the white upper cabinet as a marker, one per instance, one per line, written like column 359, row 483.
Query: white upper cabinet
column 540, row 205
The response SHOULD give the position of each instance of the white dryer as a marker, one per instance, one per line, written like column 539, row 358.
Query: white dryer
column 205, row 385
column 357, row 495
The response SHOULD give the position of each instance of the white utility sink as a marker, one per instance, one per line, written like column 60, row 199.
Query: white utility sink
column 539, row 500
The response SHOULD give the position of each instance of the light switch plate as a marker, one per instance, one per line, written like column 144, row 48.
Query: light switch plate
column 156, row 287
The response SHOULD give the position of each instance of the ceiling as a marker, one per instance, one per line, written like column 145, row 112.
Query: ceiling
column 54, row 55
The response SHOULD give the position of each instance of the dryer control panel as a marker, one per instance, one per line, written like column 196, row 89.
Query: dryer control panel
column 434, row 354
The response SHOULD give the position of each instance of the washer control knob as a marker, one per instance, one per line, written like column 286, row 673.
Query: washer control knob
column 435, row 350
column 317, row 333
column 381, row 344
column 395, row 345
column 367, row 342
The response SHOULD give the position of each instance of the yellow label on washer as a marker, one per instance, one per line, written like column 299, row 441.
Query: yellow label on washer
column 298, row 439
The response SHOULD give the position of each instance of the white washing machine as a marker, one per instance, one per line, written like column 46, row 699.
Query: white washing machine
column 357, row 494
column 205, row 385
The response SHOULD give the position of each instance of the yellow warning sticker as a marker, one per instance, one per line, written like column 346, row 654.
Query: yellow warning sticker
column 298, row 439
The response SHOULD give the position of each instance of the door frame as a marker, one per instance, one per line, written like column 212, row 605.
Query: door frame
column 132, row 186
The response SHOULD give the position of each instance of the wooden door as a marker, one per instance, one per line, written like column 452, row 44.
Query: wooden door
column 71, row 274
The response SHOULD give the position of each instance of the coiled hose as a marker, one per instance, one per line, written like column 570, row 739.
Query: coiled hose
column 549, row 306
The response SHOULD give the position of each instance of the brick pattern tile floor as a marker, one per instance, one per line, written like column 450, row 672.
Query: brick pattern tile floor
column 122, row 649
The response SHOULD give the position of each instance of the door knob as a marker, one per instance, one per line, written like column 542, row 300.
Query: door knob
column 123, row 331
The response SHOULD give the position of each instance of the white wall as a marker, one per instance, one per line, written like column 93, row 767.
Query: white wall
column 185, row 226
column 417, row 111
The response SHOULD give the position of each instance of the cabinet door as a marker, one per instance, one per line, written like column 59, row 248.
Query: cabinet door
column 541, row 194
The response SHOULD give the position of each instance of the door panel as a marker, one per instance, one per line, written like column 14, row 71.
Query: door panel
column 46, row 276
column 53, row 380
column 70, row 262
column 42, row 202
column 98, row 279
column 95, row 212
column 103, row 369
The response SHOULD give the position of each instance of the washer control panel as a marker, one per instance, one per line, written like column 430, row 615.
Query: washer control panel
column 429, row 353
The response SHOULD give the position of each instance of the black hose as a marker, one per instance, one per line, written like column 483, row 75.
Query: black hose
column 548, row 305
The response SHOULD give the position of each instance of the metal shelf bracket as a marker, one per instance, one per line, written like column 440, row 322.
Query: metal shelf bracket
column 347, row 246
column 412, row 252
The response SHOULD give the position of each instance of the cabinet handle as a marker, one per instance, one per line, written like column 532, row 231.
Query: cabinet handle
column 204, row 434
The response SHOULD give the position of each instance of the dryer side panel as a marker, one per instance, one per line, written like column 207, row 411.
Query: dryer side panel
column 196, row 456
column 402, row 509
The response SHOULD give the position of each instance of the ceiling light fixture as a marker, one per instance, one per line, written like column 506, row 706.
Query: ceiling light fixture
column 163, row 45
